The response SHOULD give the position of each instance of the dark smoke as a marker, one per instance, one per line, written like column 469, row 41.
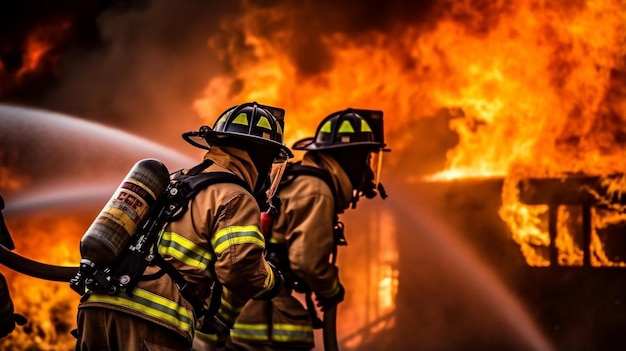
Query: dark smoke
column 139, row 64
column 136, row 65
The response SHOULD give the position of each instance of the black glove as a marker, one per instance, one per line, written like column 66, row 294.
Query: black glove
column 325, row 303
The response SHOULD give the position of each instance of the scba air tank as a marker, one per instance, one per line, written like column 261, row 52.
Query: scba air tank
column 129, row 206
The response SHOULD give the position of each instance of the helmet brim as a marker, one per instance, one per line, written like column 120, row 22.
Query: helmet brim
column 197, row 140
column 310, row 145
column 200, row 141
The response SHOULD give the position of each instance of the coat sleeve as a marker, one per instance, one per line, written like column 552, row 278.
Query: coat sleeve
column 239, row 246
column 312, row 242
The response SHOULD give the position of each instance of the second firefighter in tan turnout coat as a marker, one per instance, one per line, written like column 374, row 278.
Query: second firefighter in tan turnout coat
column 306, row 232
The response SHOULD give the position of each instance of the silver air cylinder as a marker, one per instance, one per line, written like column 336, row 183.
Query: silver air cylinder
column 129, row 206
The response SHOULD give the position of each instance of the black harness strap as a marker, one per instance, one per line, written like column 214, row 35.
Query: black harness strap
column 292, row 171
column 190, row 184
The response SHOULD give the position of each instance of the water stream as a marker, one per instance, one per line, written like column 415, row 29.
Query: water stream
column 56, row 161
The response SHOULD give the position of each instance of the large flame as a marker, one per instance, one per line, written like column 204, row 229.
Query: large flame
column 539, row 85
column 50, row 307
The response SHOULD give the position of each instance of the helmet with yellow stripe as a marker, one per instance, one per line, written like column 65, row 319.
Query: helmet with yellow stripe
column 347, row 128
column 247, row 123
column 355, row 139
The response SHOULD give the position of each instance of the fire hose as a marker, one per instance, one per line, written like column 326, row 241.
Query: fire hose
column 36, row 269
column 330, row 314
column 25, row 265
column 330, row 329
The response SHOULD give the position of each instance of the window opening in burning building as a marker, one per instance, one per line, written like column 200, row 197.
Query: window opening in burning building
column 577, row 221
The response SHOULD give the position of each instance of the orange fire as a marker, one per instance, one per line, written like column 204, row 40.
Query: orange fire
column 8, row 179
column 50, row 307
column 39, row 45
column 540, row 87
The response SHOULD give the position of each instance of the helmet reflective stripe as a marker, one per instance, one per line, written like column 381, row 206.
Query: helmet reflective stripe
column 251, row 123
column 327, row 127
column 242, row 119
column 264, row 123
column 234, row 235
column 365, row 127
column 281, row 332
column 184, row 250
column 346, row 127
column 223, row 117
column 152, row 305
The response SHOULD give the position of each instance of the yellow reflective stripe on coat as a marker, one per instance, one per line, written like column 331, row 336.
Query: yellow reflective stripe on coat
column 268, row 283
column 184, row 250
column 281, row 332
column 227, row 311
column 205, row 336
column 152, row 305
column 234, row 235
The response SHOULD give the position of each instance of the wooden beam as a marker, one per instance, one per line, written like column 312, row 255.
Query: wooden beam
column 569, row 190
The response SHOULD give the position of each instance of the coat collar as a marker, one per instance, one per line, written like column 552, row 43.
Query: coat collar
column 339, row 176
column 234, row 160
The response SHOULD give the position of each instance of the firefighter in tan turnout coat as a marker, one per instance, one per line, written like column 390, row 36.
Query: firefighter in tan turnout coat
column 334, row 172
column 217, row 239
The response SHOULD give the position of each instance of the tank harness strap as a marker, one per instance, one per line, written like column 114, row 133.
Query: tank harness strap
column 297, row 169
column 292, row 171
column 189, row 185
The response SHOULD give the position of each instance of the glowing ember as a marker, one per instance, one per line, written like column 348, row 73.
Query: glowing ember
column 39, row 44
